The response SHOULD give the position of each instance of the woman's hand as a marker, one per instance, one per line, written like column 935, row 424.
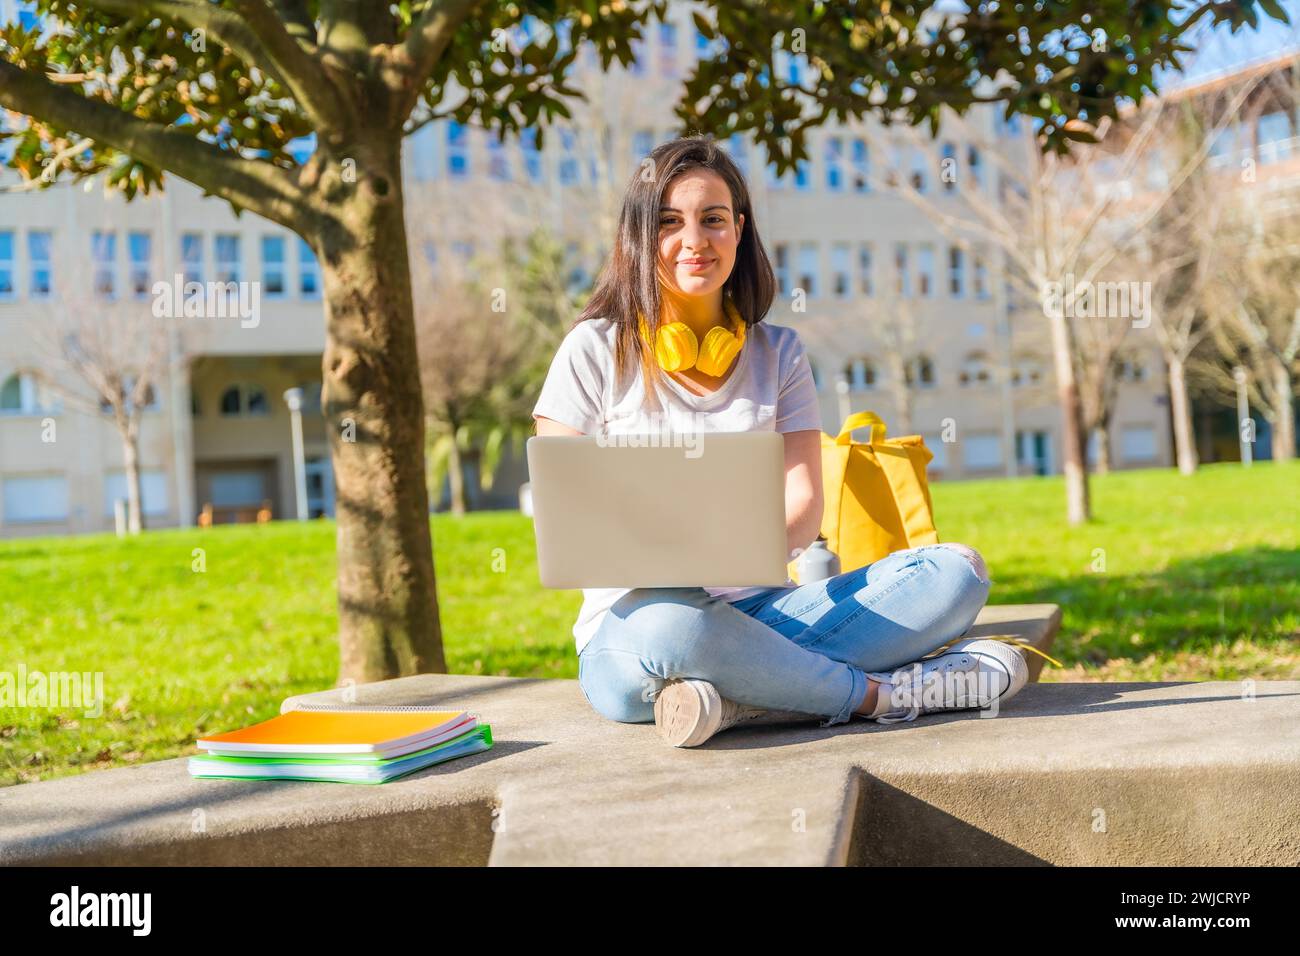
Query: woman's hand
column 803, row 490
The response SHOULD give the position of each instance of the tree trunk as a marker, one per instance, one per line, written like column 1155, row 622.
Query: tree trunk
column 388, row 607
column 1284, row 413
column 131, row 462
column 1077, row 504
column 1181, row 407
column 1103, row 447
column 456, row 478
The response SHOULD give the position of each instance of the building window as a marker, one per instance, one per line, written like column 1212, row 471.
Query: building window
column 498, row 162
column 808, row 269
column 243, row 400
column 782, row 253
column 424, row 163
column 153, row 492
column 948, row 167
column 860, row 373
column 918, row 177
column 457, row 150
column 861, row 166
column 1274, row 136
column 21, row 394
column 668, row 49
column 866, row 281
column 834, row 163
column 1137, row 443
column 919, row 372
column 840, row 270
column 1130, row 369
column 33, row 498
column 975, row 370
column 273, row 283
column 1026, row 370
column 939, row 449
column 226, row 248
column 956, row 272
column 902, row 274
column 103, row 252
column 802, row 175
column 568, row 157
column 6, row 264
column 637, row 66
column 308, row 271
column 40, row 264
column 981, row 452
column 139, row 251
column 981, row 278
column 532, row 155
column 925, row 271
column 192, row 256
column 973, row 162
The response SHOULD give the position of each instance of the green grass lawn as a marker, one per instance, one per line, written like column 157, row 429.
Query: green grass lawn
column 1177, row 578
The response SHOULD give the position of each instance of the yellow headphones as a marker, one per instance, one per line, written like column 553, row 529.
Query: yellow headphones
column 676, row 346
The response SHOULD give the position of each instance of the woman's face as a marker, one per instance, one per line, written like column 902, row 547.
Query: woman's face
column 698, row 233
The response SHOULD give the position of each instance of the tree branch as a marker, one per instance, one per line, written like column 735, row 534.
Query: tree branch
column 251, row 184
column 433, row 24
column 260, row 39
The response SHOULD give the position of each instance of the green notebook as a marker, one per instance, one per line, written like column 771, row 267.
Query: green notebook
column 341, row 768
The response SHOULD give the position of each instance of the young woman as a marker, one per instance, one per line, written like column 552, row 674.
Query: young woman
column 697, row 660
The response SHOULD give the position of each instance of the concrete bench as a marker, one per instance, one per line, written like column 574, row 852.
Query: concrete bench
column 1086, row 773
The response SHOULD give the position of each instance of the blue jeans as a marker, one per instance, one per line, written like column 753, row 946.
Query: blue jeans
column 806, row 648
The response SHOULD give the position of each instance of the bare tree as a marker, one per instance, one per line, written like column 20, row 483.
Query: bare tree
column 109, row 357
column 1257, row 301
column 1049, row 215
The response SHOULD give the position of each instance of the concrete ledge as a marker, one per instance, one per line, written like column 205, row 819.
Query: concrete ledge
column 1092, row 773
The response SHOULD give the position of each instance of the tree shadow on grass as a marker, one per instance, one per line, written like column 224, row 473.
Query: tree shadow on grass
column 1192, row 605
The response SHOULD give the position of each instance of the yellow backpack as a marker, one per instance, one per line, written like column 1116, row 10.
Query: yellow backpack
column 877, row 500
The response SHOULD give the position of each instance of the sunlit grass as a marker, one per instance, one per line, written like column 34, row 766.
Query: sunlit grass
column 1177, row 578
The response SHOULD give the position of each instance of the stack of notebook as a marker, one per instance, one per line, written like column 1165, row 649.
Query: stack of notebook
column 357, row 744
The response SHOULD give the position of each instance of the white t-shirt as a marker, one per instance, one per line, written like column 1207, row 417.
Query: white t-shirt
column 770, row 389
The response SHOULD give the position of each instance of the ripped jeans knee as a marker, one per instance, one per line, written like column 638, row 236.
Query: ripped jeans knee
column 971, row 555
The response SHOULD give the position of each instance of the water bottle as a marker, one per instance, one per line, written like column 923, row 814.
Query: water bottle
column 817, row 562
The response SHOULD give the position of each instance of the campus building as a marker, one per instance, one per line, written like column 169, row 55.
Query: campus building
column 975, row 364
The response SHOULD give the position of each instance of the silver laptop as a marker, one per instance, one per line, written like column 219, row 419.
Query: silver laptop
column 640, row 511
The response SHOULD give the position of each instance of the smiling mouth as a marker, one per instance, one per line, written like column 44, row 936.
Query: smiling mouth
column 695, row 262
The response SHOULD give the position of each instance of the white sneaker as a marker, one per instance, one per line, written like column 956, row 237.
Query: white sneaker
column 967, row 674
column 690, row 711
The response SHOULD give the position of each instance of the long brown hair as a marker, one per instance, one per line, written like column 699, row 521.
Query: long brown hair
column 629, row 281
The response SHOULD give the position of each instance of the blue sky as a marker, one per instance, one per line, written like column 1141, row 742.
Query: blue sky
column 1220, row 50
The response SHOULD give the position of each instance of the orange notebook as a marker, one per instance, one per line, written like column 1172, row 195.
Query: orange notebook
column 314, row 730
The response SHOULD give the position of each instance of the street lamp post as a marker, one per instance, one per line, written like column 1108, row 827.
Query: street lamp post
column 1244, row 423
column 293, row 398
